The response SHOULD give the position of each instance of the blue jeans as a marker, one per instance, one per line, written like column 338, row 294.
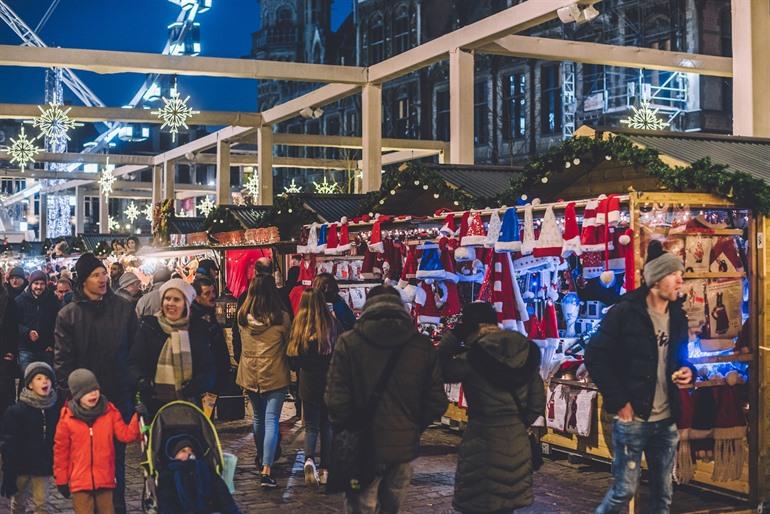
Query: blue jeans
column 26, row 358
column 267, row 415
column 658, row 440
column 317, row 421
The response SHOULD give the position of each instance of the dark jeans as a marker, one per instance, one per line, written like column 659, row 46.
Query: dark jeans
column 119, row 493
column 658, row 441
column 384, row 495
column 317, row 423
column 27, row 357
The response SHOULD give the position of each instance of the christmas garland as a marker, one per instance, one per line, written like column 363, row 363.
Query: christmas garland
column 161, row 214
column 701, row 176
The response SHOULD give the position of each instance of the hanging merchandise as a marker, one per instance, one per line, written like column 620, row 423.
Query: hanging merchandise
column 475, row 236
column 571, row 238
column 332, row 240
column 580, row 413
column 409, row 270
column 501, row 289
column 372, row 267
column 528, row 238
column 448, row 229
column 556, row 407
column 508, row 241
column 729, row 434
column 308, row 239
column 375, row 239
column 725, row 257
column 323, row 234
column 588, row 236
column 683, row 466
column 464, row 253
column 447, row 247
column 493, row 229
column 430, row 299
column 550, row 241
column 430, row 266
column 344, row 245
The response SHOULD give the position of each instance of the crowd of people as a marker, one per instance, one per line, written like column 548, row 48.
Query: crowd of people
column 81, row 348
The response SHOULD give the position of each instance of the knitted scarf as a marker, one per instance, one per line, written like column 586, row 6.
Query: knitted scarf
column 36, row 401
column 88, row 415
column 175, row 367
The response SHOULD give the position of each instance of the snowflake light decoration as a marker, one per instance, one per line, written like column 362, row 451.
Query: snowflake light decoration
column 112, row 223
column 174, row 113
column 54, row 122
column 252, row 185
column 326, row 188
column 206, row 206
column 23, row 150
column 147, row 211
column 107, row 180
column 645, row 118
column 292, row 188
column 132, row 212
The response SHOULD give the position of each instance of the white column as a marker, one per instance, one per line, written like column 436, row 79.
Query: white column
column 265, row 164
column 461, row 107
column 80, row 209
column 104, row 214
column 42, row 219
column 751, row 67
column 224, row 197
column 371, row 128
column 157, row 184
column 169, row 169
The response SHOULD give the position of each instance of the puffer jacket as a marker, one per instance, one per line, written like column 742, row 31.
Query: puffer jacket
column 28, row 440
column 413, row 397
column 264, row 366
column 622, row 358
column 84, row 456
column 97, row 335
column 37, row 313
column 494, row 467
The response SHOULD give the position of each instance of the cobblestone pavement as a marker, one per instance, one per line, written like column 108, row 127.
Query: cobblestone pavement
column 560, row 487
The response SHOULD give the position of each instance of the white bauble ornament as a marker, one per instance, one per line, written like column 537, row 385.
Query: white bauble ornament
column 607, row 278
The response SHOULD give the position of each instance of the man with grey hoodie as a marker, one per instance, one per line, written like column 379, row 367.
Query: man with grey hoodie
column 413, row 396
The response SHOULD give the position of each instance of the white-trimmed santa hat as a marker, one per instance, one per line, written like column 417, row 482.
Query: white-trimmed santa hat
column 493, row 229
column 430, row 266
column 608, row 211
column 571, row 245
column 528, row 238
column 409, row 269
column 449, row 228
column 509, row 232
column 344, row 240
column 476, row 235
column 332, row 240
column 375, row 239
column 550, row 242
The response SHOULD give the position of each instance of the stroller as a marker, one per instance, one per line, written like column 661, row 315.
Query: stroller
column 172, row 420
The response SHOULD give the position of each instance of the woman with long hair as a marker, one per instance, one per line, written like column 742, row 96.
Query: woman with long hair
column 263, row 369
column 327, row 284
column 313, row 335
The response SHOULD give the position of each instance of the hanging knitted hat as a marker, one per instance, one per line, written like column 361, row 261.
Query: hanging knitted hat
column 375, row 239
column 344, row 241
column 509, row 232
column 729, row 434
column 608, row 212
column 626, row 242
column 493, row 229
column 528, row 239
column 550, row 242
column 447, row 247
column 463, row 230
column 476, row 235
column 312, row 239
column 571, row 245
column 322, row 235
column 370, row 268
column 409, row 269
column 332, row 240
column 429, row 301
column 589, row 235
column 448, row 229
column 430, row 263
column 303, row 237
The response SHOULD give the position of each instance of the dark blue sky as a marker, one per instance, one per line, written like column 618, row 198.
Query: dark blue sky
column 140, row 26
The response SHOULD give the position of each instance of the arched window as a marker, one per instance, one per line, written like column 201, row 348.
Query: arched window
column 402, row 30
column 284, row 16
column 376, row 39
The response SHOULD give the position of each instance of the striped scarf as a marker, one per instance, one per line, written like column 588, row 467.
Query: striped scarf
column 175, row 366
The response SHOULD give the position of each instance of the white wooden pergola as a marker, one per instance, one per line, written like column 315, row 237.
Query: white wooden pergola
column 749, row 68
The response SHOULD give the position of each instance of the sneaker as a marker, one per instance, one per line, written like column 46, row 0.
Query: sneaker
column 268, row 481
column 323, row 476
column 311, row 475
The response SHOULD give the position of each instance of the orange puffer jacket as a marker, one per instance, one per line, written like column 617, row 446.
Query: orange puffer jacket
column 84, row 456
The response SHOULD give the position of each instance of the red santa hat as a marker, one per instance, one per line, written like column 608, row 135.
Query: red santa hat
column 571, row 245
column 589, row 235
column 550, row 241
column 608, row 212
column 464, row 253
column 344, row 240
column 371, row 268
column 435, row 301
column 501, row 288
column 550, row 322
column 476, row 235
column 409, row 269
column 626, row 244
column 448, row 229
column 375, row 239
column 332, row 240
column 463, row 231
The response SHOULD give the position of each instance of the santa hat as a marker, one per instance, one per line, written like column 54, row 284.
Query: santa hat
column 608, row 212
column 626, row 246
column 332, row 240
column 430, row 263
column 528, row 240
column 447, row 247
column 311, row 242
column 344, row 242
column 589, row 234
column 550, row 242
column 375, row 239
column 476, row 236
column 729, row 434
column 409, row 269
column 493, row 229
column 430, row 301
column 501, row 288
column 370, row 268
column 571, row 245
column 307, row 271
column 448, row 229
column 509, row 232
column 550, row 322
column 463, row 231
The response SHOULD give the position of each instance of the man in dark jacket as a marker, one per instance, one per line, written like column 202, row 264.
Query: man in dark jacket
column 38, row 308
column 96, row 331
column 17, row 282
column 203, row 309
column 412, row 398
column 637, row 359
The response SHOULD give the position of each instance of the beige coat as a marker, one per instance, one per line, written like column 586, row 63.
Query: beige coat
column 264, row 366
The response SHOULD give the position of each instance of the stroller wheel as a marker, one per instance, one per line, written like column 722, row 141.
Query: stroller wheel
column 149, row 502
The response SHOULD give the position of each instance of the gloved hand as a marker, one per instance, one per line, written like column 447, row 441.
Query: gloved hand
column 141, row 409
column 64, row 490
column 9, row 488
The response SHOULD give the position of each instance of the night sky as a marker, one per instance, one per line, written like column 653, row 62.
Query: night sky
column 140, row 26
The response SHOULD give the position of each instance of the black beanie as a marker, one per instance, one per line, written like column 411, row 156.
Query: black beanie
column 178, row 443
column 86, row 264
column 478, row 313
column 38, row 368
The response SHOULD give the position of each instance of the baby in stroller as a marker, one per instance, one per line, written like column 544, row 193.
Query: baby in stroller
column 187, row 484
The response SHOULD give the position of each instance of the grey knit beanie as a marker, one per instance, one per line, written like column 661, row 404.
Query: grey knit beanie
column 38, row 368
column 81, row 382
column 659, row 264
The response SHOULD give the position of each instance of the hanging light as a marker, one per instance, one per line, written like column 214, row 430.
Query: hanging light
column 226, row 308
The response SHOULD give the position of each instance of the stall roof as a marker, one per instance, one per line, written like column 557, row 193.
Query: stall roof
column 480, row 181
column 331, row 208
column 245, row 216
column 747, row 154
column 185, row 225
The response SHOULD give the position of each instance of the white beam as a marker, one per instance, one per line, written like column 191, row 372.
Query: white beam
column 371, row 126
column 404, row 156
column 93, row 158
column 751, row 67
column 354, row 142
column 157, row 184
column 224, row 197
column 169, row 172
column 118, row 172
column 105, row 61
column 104, row 214
column 531, row 47
column 461, row 73
column 317, row 98
column 265, row 166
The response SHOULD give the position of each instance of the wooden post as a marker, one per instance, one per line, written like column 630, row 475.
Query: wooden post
column 371, row 127
column 461, row 128
column 104, row 214
column 169, row 169
column 265, row 164
column 157, row 184
column 751, row 67
column 223, row 173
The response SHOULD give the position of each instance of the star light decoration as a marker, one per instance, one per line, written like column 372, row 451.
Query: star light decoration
column 206, row 206
column 54, row 122
column 147, row 211
column 292, row 188
column 107, row 179
column 112, row 223
column 132, row 212
column 23, row 150
column 174, row 113
column 326, row 188
column 645, row 118
column 252, row 185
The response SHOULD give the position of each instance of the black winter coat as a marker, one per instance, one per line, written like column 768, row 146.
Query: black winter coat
column 37, row 314
column 28, row 435
column 313, row 368
column 217, row 345
column 494, row 467
column 413, row 397
column 622, row 358
column 143, row 360
column 9, row 335
column 97, row 335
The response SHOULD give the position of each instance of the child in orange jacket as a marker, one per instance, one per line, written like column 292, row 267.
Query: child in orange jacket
column 84, row 445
